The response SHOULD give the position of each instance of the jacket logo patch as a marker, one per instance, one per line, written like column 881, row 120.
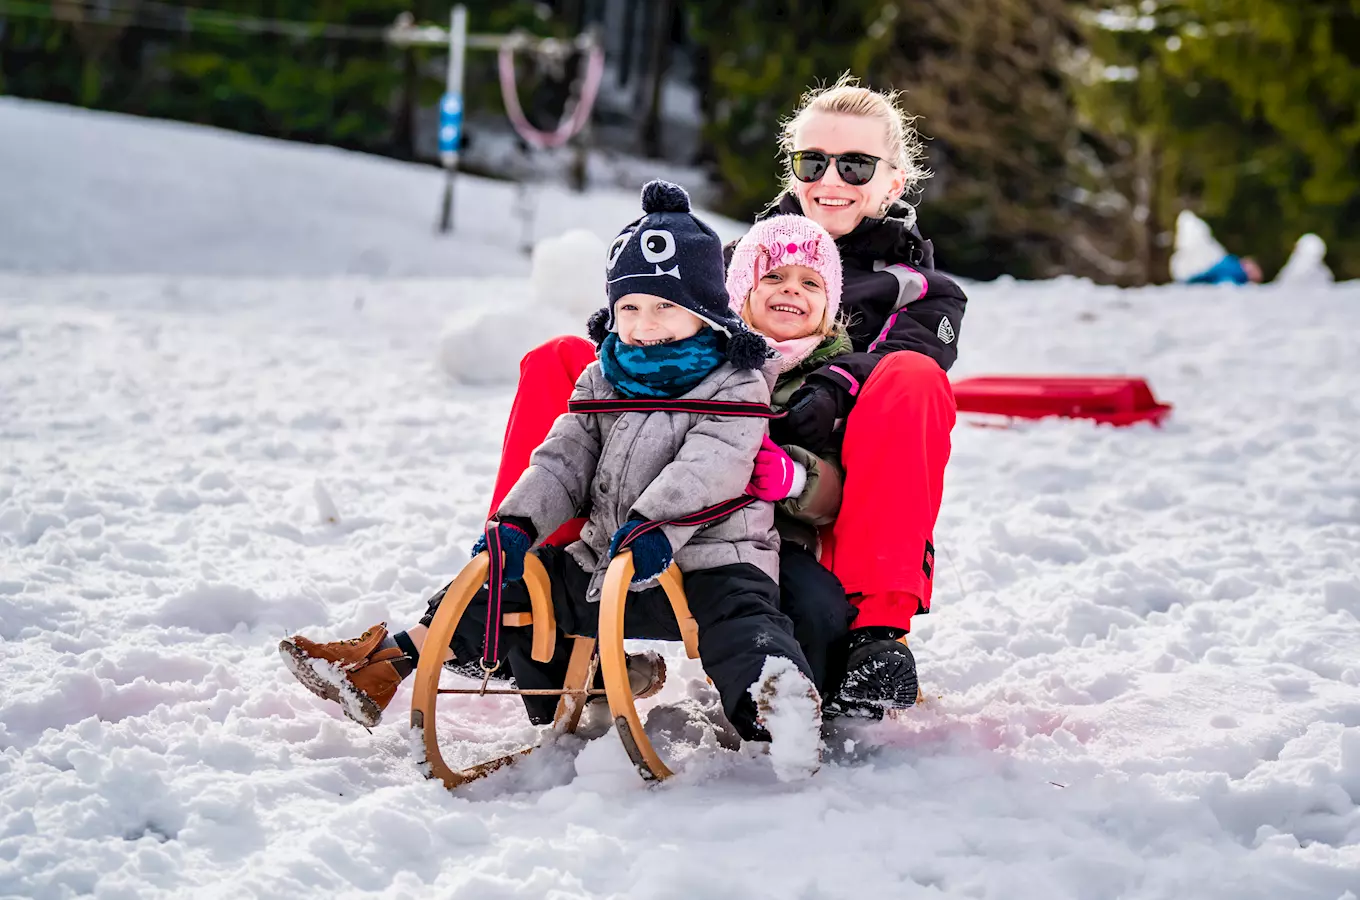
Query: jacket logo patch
column 945, row 332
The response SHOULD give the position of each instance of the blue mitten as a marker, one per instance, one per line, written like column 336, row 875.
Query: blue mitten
column 651, row 551
column 516, row 540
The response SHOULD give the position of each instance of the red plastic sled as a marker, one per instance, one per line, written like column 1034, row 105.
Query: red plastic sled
column 1113, row 400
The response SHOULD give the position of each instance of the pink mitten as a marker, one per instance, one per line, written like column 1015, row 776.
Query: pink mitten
column 775, row 473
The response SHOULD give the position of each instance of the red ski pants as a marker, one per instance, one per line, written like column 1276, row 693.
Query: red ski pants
column 895, row 451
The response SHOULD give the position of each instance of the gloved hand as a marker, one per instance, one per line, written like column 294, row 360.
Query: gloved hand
column 776, row 476
column 811, row 419
column 651, row 552
column 516, row 539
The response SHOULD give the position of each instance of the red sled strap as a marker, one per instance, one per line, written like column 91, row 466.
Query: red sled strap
column 706, row 516
column 734, row 408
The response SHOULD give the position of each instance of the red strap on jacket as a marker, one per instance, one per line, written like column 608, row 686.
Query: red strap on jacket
column 706, row 516
column 734, row 408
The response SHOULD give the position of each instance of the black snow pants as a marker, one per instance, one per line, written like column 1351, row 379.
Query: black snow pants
column 814, row 600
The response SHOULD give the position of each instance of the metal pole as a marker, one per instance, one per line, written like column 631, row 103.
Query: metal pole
column 451, row 113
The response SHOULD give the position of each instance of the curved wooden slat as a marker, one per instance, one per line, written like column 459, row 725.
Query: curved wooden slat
column 614, row 666
column 425, row 692
column 673, row 585
column 540, row 601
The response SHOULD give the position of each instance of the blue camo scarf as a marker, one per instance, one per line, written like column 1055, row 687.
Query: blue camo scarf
column 665, row 370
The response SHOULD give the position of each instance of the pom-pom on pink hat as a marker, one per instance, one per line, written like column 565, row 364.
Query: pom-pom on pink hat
column 784, row 241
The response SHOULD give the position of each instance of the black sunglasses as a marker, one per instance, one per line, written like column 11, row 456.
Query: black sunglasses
column 854, row 168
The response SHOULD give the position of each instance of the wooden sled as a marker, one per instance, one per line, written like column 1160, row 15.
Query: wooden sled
column 587, row 653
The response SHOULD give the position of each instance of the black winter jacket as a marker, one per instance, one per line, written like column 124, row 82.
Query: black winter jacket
column 892, row 297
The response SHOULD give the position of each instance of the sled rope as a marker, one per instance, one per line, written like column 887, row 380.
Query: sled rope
column 734, row 408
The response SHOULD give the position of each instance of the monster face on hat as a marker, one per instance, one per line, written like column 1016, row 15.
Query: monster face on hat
column 672, row 254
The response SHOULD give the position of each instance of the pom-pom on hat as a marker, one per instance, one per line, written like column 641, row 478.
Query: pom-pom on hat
column 784, row 241
column 671, row 253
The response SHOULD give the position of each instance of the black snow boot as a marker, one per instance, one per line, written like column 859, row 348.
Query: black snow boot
column 880, row 674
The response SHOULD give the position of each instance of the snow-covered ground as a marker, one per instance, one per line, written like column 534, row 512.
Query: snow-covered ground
column 1143, row 671
column 100, row 193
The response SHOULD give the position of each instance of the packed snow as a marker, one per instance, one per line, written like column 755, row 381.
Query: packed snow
column 1142, row 673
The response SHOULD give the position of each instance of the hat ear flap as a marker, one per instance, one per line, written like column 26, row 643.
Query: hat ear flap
column 597, row 326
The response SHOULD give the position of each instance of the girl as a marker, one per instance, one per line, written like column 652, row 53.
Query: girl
column 784, row 280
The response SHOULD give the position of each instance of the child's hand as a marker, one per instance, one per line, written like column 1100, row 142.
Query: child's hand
column 813, row 411
column 776, row 476
column 516, row 540
column 652, row 552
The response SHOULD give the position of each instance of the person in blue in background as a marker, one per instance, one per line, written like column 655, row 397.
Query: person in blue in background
column 1229, row 270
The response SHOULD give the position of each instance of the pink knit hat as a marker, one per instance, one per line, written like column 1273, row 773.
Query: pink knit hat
column 784, row 241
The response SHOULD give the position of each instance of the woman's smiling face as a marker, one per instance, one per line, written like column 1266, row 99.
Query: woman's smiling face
column 788, row 302
column 829, row 201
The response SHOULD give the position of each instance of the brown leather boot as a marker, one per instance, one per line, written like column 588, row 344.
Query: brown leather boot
column 646, row 673
column 353, row 673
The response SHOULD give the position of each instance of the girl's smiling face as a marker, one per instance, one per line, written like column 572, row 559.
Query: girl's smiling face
column 645, row 320
column 788, row 302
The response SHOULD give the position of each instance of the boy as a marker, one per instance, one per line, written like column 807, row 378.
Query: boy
column 667, row 333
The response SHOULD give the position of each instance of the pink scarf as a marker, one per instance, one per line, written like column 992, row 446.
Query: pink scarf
column 793, row 351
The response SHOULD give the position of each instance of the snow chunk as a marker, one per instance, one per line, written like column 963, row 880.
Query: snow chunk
column 325, row 506
column 212, row 608
column 568, row 273
column 791, row 713
column 1306, row 266
column 1196, row 249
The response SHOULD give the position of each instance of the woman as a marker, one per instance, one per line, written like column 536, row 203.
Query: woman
column 850, row 155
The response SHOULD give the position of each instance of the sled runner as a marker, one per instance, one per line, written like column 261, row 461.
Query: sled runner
column 587, row 654
column 1112, row 400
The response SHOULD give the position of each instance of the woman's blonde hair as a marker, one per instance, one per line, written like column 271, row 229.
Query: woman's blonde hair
column 848, row 98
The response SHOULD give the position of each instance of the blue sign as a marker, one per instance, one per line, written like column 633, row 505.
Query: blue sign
column 450, row 123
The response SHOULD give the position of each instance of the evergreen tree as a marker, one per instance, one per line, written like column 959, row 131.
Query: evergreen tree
column 758, row 57
column 984, row 77
column 1252, row 108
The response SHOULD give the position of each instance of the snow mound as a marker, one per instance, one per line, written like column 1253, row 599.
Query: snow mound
column 1306, row 266
column 1196, row 248
column 567, row 285
column 486, row 348
column 568, row 273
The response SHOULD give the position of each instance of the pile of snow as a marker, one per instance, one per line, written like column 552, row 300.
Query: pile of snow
column 1196, row 248
column 1306, row 266
column 567, row 285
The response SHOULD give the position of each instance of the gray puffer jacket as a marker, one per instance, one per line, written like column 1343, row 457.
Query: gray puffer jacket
column 657, row 465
